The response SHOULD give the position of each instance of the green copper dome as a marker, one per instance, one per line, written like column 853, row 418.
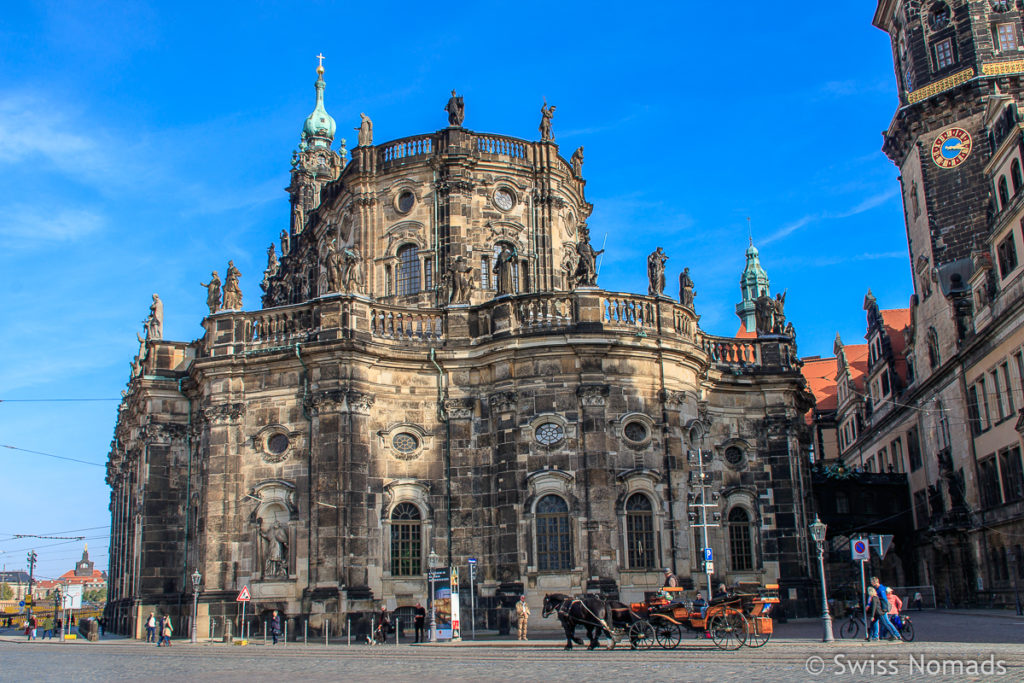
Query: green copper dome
column 320, row 126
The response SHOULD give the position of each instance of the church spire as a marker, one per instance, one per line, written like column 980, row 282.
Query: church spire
column 319, row 128
column 753, row 283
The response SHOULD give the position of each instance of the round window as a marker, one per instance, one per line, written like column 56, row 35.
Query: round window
column 405, row 201
column 550, row 433
column 278, row 444
column 733, row 455
column 635, row 432
column 405, row 443
column 503, row 199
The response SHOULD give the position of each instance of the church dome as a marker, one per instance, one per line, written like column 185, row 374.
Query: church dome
column 320, row 126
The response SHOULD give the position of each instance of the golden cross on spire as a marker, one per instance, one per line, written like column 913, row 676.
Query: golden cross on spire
column 321, row 58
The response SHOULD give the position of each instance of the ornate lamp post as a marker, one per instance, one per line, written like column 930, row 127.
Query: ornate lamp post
column 197, row 579
column 433, row 562
column 818, row 529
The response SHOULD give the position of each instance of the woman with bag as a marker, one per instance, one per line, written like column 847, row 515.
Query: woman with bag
column 166, row 630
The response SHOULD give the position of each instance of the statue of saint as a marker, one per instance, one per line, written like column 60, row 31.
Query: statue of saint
column 586, row 265
column 351, row 277
column 232, row 292
column 503, row 268
column 155, row 322
column 213, row 292
column 569, row 259
column 656, row 272
column 546, row 114
column 272, row 266
column 285, row 239
column 577, row 162
column 686, row 293
column 275, row 550
column 461, row 276
column 456, row 109
column 764, row 308
column 778, row 314
column 365, row 130
column 333, row 267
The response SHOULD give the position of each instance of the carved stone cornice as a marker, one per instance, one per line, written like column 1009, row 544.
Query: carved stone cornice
column 223, row 412
column 359, row 402
column 672, row 398
column 365, row 201
column 459, row 408
column 163, row 432
column 326, row 401
column 455, row 187
column 503, row 401
column 593, row 394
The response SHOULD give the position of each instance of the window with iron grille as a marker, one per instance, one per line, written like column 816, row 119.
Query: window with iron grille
column 943, row 54
column 740, row 549
column 640, row 531
column 408, row 271
column 1007, row 34
column 406, row 544
column 554, row 547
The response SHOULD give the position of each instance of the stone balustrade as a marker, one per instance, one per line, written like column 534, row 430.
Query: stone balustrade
column 497, row 144
column 625, row 310
column 418, row 145
column 407, row 324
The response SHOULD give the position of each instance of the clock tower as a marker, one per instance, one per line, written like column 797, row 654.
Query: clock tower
column 951, row 58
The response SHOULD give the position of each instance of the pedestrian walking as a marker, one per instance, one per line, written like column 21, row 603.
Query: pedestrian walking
column 878, row 605
column 33, row 624
column 522, row 616
column 47, row 628
column 275, row 626
column 420, row 616
column 166, row 630
column 918, row 600
column 151, row 636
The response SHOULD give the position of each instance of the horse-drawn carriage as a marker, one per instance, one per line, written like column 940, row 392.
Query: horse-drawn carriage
column 739, row 618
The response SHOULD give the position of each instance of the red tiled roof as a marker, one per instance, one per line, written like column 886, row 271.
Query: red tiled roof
column 744, row 333
column 857, row 360
column 820, row 374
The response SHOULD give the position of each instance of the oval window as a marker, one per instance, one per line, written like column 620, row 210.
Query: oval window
column 405, row 201
column 550, row 433
column 635, row 432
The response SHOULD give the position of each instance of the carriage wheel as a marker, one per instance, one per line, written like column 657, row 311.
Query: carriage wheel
column 755, row 639
column 641, row 635
column 728, row 630
column 668, row 634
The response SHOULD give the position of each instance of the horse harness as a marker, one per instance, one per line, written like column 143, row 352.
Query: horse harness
column 563, row 612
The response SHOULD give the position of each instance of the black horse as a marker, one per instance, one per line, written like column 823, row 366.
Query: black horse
column 589, row 611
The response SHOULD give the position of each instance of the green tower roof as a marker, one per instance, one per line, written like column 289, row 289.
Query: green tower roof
column 320, row 126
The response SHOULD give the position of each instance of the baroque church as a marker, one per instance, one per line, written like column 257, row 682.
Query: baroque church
column 434, row 372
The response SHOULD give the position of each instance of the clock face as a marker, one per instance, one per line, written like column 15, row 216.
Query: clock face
column 951, row 148
column 503, row 200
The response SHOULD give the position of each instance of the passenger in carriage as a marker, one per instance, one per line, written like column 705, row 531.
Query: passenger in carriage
column 721, row 592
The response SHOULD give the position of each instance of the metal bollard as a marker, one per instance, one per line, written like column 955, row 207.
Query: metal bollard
column 264, row 632
column 398, row 629
column 348, row 632
column 305, row 632
column 373, row 630
column 285, row 633
column 327, row 631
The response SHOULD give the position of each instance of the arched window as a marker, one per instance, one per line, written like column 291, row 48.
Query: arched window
column 406, row 541
column 554, row 546
column 408, row 270
column 741, row 550
column 1004, row 194
column 640, row 532
column 1015, row 176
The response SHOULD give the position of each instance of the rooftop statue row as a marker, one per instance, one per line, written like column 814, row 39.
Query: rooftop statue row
column 656, row 278
column 232, row 300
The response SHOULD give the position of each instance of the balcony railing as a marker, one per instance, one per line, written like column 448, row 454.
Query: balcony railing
column 419, row 145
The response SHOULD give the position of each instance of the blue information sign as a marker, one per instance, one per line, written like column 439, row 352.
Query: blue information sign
column 707, row 555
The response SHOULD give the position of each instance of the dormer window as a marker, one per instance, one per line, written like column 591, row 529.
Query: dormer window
column 943, row 54
column 1006, row 35
column 939, row 16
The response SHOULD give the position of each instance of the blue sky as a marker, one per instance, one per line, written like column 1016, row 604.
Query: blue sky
column 143, row 145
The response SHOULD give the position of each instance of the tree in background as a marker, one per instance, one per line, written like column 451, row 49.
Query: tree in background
column 6, row 592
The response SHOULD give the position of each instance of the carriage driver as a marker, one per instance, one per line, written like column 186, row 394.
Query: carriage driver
column 670, row 579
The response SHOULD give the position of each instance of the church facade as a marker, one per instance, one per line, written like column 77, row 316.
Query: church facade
column 433, row 370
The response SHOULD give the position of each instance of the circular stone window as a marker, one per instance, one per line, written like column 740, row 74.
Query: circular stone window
column 405, row 445
column 635, row 431
column 503, row 199
column 734, row 456
column 550, row 433
column 405, row 201
column 275, row 447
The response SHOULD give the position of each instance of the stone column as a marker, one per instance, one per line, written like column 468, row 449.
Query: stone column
column 593, row 433
column 363, row 542
column 506, row 472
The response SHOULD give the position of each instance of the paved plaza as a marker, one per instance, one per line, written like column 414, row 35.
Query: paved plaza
column 951, row 646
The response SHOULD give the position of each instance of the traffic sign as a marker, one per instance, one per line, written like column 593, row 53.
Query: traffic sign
column 472, row 568
column 709, row 567
column 244, row 596
column 28, row 599
column 859, row 549
column 21, row 603
column 707, row 555
column 882, row 543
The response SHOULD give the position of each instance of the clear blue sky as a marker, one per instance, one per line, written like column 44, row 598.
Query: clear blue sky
column 142, row 146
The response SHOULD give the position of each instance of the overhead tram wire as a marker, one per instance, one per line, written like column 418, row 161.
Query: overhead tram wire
column 54, row 400
column 51, row 455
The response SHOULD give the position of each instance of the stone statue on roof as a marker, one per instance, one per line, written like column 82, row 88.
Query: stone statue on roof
column 365, row 130
column 212, row 292
column 546, row 114
column 577, row 162
column 461, row 281
column 154, row 323
column 232, row 291
column 656, row 272
column 686, row 291
column 456, row 109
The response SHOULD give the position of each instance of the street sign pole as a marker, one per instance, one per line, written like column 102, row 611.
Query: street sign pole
column 864, row 602
column 472, row 597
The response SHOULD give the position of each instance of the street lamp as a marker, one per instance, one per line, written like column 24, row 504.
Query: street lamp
column 197, row 578
column 433, row 562
column 818, row 529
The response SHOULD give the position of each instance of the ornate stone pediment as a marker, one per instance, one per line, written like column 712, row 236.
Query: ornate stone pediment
column 593, row 394
column 503, row 401
column 224, row 412
column 459, row 408
column 508, row 231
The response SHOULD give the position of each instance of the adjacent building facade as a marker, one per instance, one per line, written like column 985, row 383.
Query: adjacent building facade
column 433, row 368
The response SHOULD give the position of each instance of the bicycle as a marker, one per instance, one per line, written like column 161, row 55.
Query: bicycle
column 851, row 629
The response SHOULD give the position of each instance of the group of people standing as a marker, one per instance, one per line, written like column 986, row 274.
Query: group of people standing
column 159, row 630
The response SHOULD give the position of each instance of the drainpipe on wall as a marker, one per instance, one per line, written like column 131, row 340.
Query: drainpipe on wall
column 188, row 496
column 309, row 474
column 443, row 416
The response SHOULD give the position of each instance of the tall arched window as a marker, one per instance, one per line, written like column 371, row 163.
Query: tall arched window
column 554, row 546
column 1016, row 180
column 640, row 532
column 408, row 270
column 406, row 542
column 741, row 551
column 1004, row 194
